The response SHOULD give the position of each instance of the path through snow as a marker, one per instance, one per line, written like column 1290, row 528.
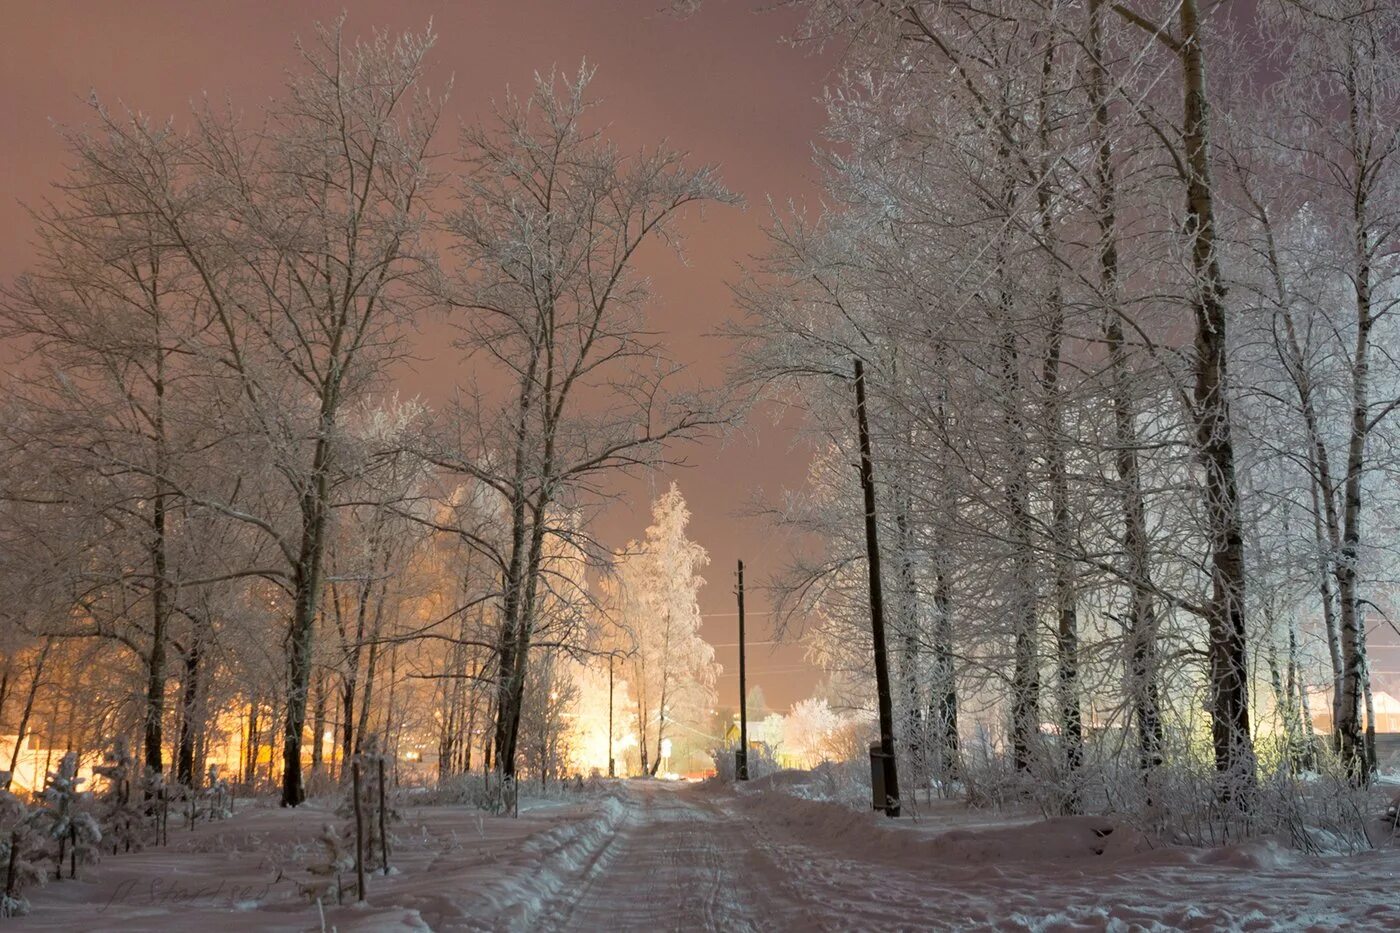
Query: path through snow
column 647, row 855
column 688, row 858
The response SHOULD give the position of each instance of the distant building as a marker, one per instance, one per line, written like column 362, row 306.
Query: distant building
column 1387, row 723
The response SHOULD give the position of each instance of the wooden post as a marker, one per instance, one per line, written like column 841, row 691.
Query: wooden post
column 359, row 832
column 383, row 821
column 877, row 602
column 741, row 770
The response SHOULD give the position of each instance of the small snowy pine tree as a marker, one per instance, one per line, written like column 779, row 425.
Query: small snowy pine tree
column 155, row 794
column 120, row 810
column 376, row 807
column 62, row 819
column 218, row 795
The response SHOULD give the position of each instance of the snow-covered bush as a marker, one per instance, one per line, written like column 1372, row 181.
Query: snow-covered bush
column 320, row 782
column 218, row 795
column 376, row 806
column 64, row 819
column 155, row 793
column 120, row 810
column 329, row 870
column 19, row 849
column 471, row 790
column 761, row 759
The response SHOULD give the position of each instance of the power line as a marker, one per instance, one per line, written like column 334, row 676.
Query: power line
column 774, row 670
column 735, row 644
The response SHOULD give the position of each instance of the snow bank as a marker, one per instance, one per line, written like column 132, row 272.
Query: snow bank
column 1064, row 874
column 516, row 897
column 873, row 835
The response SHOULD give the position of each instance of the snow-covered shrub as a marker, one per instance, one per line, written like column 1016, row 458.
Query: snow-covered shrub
column 120, row 811
column 761, row 759
column 156, row 792
column 19, row 851
column 471, row 790
column 377, row 810
column 321, row 783
column 845, row 782
column 329, row 870
column 990, row 779
column 63, row 818
column 218, row 795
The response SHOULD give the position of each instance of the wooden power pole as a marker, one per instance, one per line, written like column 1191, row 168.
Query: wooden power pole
column 741, row 760
column 877, row 603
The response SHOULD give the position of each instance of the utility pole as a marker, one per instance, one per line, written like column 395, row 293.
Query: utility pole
column 741, row 760
column 877, row 603
column 612, row 766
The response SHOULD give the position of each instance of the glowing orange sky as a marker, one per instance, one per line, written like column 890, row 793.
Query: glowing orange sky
column 720, row 84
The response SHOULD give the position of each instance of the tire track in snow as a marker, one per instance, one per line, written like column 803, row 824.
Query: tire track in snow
column 675, row 864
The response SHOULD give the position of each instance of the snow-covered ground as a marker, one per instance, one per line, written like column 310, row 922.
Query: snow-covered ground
column 648, row 855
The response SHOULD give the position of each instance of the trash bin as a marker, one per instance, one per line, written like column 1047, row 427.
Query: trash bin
column 877, row 777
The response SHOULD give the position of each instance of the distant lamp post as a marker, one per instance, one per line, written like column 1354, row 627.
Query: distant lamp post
column 612, row 765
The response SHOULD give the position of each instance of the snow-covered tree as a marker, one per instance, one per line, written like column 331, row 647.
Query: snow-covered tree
column 656, row 604
column 64, row 819
column 375, row 807
column 121, row 813
column 549, row 295
column 19, row 851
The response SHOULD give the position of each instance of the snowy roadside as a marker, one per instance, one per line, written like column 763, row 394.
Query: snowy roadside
column 643, row 855
column 452, row 867
column 1020, row 872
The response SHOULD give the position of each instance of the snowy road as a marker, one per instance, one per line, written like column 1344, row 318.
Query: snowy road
column 699, row 858
column 676, row 862
column 646, row 855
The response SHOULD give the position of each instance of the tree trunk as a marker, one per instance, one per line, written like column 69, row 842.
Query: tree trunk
column 250, row 758
column 318, row 722
column 910, row 660
column 160, row 595
column 1025, row 677
column 1067, row 627
column 1141, row 625
column 307, row 587
column 371, row 669
column 27, row 711
column 1225, row 610
column 191, row 722
column 1357, row 756
column 160, row 617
